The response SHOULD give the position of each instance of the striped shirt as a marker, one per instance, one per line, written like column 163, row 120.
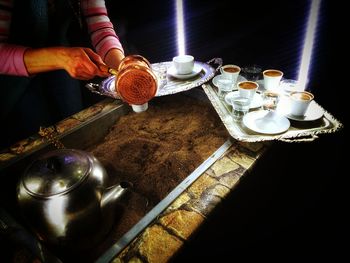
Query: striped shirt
column 100, row 28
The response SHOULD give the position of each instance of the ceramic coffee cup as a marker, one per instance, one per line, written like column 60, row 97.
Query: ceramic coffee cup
column 230, row 72
column 247, row 89
column 272, row 78
column 183, row 64
column 299, row 102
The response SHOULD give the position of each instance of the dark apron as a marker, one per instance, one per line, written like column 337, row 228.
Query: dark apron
column 26, row 103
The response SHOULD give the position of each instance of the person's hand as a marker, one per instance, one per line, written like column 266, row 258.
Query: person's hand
column 80, row 63
column 113, row 58
column 83, row 63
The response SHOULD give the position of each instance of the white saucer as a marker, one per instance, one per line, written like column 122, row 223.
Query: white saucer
column 285, row 86
column 256, row 102
column 196, row 70
column 313, row 112
column 220, row 78
column 267, row 122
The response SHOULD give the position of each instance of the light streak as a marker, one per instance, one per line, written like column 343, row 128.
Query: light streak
column 308, row 44
column 180, row 27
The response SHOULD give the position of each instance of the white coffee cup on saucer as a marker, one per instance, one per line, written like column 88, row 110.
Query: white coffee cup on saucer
column 272, row 78
column 183, row 64
column 247, row 89
column 231, row 72
column 299, row 102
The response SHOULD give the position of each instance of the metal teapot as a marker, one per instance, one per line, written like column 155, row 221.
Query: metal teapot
column 63, row 197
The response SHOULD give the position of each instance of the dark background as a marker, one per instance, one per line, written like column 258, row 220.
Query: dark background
column 266, row 33
column 291, row 207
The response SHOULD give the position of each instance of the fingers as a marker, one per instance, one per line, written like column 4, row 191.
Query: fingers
column 101, row 68
column 84, row 76
column 93, row 56
column 83, row 63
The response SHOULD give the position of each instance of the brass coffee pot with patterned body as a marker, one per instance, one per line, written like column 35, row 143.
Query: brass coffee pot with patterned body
column 135, row 82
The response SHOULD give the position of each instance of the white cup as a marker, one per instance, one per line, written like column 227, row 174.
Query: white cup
column 139, row 108
column 299, row 102
column 272, row 78
column 231, row 72
column 247, row 89
column 183, row 64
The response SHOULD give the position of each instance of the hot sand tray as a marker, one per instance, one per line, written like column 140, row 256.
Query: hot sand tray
column 183, row 118
column 167, row 83
column 297, row 131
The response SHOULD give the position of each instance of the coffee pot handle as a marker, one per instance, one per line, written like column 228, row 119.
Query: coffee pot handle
column 105, row 68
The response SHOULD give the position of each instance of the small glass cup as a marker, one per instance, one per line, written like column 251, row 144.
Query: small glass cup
column 240, row 106
column 270, row 100
column 224, row 87
column 252, row 72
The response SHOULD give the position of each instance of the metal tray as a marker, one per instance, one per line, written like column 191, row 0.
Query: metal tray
column 167, row 84
column 297, row 132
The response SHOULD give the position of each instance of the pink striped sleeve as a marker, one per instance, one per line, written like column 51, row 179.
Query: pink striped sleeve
column 11, row 60
column 103, row 36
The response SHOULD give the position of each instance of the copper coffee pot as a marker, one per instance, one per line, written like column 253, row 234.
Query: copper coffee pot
column 135, row 82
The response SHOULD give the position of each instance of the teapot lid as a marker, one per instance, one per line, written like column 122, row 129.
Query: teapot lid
column 56, row 172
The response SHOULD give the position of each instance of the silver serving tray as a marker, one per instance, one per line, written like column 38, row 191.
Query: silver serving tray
column 167, row 84
column 297, row 132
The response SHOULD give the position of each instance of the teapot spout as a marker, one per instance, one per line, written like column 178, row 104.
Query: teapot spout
column 113, row 194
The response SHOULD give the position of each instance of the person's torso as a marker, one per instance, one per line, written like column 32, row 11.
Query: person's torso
column 41, row 23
